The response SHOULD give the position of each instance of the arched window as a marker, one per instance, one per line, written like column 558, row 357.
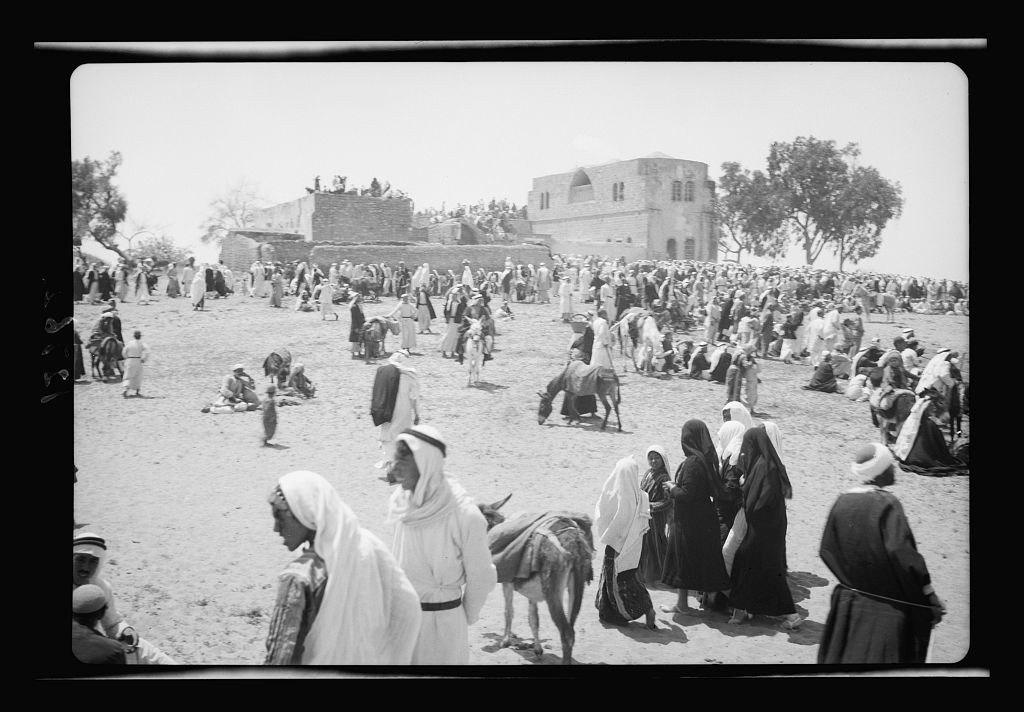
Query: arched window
column 677, row 190
column 615, row 192
column 689, row 249
column 689, row 191
column 580, row 189
column 670, row 248
column 622, row 191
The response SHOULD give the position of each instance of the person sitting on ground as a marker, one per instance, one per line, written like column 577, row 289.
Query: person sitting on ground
column 299, row 383
column 89, row 553
column 303, row 303
column 824, row 378
column 237, row 393
column 88, row 645
column 699, row 365
column 505, row 312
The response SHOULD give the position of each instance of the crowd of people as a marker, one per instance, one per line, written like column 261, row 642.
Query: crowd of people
column 714, row 530
column 494, row 218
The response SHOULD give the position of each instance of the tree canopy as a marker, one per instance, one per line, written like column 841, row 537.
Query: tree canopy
column 830, row 201
column 748, row 213
column 97, row 206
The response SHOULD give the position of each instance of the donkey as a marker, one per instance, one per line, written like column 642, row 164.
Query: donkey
column 106, row 357
column 474, row 350
column 890, row 420
column 564, row 550
column 587, row 381
column 278, row 365
column 888, row 306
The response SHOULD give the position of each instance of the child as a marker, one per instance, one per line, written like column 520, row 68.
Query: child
column 269, row 415
column 505, row 312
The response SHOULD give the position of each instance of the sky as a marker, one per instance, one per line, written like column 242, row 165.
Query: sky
column 458, row 132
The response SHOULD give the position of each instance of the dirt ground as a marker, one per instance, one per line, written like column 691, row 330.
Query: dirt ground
column 181, row 496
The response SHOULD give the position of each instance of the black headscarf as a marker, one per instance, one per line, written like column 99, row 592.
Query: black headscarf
column 696, row 440
column 765, row 475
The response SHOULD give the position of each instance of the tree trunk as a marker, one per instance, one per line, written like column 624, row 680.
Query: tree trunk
column 112, row 247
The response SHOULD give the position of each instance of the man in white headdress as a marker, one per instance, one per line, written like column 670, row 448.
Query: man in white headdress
column 345, row 599
column 89, row 553
column 441, row 544
column 602, row 349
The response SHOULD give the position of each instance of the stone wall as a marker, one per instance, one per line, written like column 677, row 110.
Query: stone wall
column 358, row 218
column 439, row 257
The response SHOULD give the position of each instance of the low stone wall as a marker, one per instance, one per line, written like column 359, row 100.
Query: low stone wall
column 240, row 252
column 439, row 257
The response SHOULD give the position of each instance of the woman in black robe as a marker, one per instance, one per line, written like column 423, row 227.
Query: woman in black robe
column 734, row 378
column 725, row 321
column 824, row 378
column 652, row 555
column 584, row 404
column 355, row 329
column 693, row 559
column 106, row 284
column 78, row 287
column 721, row 369
column 219, row 284
column 211, row 285
column 759, row 583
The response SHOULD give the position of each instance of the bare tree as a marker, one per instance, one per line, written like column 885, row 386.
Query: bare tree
column 233, row 210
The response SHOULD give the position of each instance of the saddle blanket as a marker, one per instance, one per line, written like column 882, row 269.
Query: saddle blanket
column 581, row 379
column 515, row 550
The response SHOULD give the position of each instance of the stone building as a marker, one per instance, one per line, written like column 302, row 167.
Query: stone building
column 340, row 218
column 655, row 207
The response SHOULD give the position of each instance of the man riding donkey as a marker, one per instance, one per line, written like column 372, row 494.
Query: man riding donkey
column 476, row 310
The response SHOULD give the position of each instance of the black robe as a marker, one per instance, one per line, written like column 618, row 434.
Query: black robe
column 584, row 404
column 385, row 393
column 693, row 559
column 823, row 380
column 355, row 329
column 868, row 545
column 78, row 288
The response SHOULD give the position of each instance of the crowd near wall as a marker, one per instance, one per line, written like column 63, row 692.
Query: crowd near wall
column 239, row 251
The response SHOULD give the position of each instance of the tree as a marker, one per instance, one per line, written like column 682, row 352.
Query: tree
column 828, row 201
column 234, row 210
column 97, row 205
column 749, row 213
column 867, row 205
column 160, row 248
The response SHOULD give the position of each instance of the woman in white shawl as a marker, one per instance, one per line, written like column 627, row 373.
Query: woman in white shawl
column 734, row 410
column 730, row 437
column 259, row 280
column 621, row 517
column 327, row 301
column 367, row 612
column 197, row 290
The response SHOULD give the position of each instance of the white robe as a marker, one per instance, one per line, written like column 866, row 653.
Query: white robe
column 135, row 353
column 446, row 559
column 326, row 300
column 602, row 351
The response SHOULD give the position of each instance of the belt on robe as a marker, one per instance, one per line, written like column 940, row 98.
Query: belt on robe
column 442, row 606
column 133, row 357
column 408, row 317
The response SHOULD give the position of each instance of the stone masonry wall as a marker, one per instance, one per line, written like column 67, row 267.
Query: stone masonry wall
column 355, row 218
column 439, row 257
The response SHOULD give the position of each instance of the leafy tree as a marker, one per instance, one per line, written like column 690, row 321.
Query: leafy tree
column 160, row 248
column 829, row 201
column 97, row 206
column 867, row 205
column 234, row 210
column 749, row 214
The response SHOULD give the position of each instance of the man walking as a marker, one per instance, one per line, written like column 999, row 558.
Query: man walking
column 441, row 544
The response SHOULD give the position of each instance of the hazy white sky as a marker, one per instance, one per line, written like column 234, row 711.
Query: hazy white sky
column 457, row 132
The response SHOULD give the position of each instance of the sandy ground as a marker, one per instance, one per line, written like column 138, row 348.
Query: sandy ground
column 180, row 495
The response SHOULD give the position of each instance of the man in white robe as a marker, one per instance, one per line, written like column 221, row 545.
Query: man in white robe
column 135, row 354
column 543, row 284
column 602, row 351
column 441, row 544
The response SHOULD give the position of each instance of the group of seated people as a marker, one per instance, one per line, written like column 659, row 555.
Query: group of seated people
column 238, row 394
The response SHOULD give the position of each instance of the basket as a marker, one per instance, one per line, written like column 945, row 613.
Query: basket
column 579, row 323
